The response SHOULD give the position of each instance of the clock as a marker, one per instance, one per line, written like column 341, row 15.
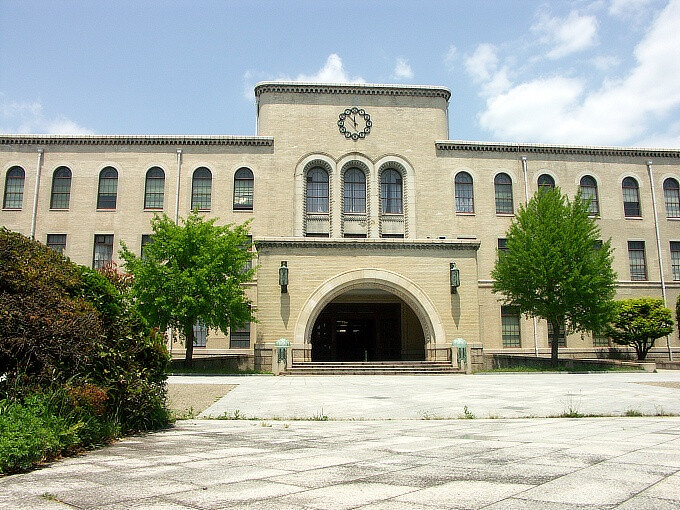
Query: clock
column 354, row 123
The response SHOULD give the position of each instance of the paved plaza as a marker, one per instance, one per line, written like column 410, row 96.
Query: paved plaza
column 417, row 463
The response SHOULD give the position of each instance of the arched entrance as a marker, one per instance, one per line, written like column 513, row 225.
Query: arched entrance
column 371, row 314
column 367, row 325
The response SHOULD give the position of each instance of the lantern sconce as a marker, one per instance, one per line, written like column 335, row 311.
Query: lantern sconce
column 454, row 276
column 283, row 277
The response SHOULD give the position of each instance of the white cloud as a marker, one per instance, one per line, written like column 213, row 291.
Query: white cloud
column 605, row 63
column 482, row 63
column 624, row 111
column 331, row 72
column 29, row 118
column 402, row 70
column 451, row 57
column 566, row 35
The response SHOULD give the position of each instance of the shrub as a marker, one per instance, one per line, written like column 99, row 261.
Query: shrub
column 638, row 322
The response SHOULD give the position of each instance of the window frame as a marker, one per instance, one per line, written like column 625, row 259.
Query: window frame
column 671, row 197
column 464, row 193
column 636, row 247
column 510, row 318
column 591, row 193
column 675, row 260
column 503, row 194
column 542, row 184
column 59, row 247
column 102, row 240
column 317, row 192
column 14, row 191
column 60, row 196
column 107, row 200
column 354, row 192
column 391, row 193
column 631, row 209
column 151, row 196
column 201, row 180
column 244, row 189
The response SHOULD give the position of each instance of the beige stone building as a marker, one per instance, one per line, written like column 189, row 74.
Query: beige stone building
column 361, row 192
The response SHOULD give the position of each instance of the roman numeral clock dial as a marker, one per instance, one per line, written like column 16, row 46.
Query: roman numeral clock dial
column 354, row 123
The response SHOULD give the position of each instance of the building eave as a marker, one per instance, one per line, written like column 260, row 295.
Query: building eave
column 365, row 244
column 529, row 148
column 174, row 140
column 368, row 89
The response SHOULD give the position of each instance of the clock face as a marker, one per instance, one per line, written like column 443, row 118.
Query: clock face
column 354, row 123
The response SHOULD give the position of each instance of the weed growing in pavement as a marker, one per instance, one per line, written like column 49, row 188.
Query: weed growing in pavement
column 320, row 416
column 633, row 412
column 467, row 414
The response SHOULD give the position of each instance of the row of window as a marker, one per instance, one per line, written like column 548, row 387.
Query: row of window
column 239, row 338
column 636, row 258
column 107, row 193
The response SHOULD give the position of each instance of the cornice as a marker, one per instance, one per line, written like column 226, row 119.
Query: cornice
column 527, row 148
column 366, row 89
column 366, row 244
column 174, row 140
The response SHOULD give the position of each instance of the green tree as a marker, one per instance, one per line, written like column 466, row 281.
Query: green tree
column 190, row 272
column 555, row 266
column 638, row 322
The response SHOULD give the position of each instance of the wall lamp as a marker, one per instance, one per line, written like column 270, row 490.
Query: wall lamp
column 454, row 276
column 283, row 277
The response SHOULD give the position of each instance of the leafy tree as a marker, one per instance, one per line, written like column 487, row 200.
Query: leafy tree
column 638, row 322
column 190, row 272
column 555, row 266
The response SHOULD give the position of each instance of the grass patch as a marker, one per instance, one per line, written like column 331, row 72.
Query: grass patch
column 214, row 371
column 574, row 368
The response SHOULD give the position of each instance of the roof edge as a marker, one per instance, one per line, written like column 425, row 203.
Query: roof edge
column 372, row 89
column 528, row 148
column 26, row 139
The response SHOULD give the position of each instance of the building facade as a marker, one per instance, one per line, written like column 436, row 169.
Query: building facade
column 360, row 192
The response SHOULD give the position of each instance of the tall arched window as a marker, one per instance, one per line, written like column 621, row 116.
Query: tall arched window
column 391, row 189
column 317, row 190
column 546, row 181
column 61, row 188
column 355, row 191
column 631, row 198
column 14, row 188
column 201, row 186
column 464, row 193
column 108, row 188
column 671, row 194
column 243, row 189
column 154, row 188
column 588, row 187
column 503, row 190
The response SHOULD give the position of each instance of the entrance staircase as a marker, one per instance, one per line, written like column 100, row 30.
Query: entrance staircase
column 372, row 368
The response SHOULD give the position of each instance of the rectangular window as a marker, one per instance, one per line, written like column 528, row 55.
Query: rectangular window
column 600, row 340
column 240, row 337
column 510, row 326
column 502, row 244
column 638, row 262
column 200, row 334
column 146, row 239
column 561, row 337
column 249, row 247
column 392, row 236
column 675, row 259
column 57, row 242
column 103, row 250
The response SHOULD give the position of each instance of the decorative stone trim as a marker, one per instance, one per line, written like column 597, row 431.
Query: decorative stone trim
column 266, row 141
column 365, row 244
column 459, row 145
column 367, row 89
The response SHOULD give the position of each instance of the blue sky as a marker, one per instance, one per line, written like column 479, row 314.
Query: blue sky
column 591, row 72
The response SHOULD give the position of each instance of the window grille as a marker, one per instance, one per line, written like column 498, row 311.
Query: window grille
column 671, row 193
column 14, row 188
column 103, row 250
column 243, row 189
column 108, row 188
column 510, row 327
column 638, row 262
column 317, row 190
column 588, row 187
column 503, row 191
column 154, row 189
column 201, row 189
column 631, row 198
column 61, row 188
column 355, row 191
column 391, row 192
column 57, row 242
column 464, row 193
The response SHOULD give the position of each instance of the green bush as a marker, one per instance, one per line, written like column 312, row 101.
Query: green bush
column 78, row 364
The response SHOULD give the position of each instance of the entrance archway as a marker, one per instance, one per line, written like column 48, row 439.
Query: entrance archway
column 381, row 286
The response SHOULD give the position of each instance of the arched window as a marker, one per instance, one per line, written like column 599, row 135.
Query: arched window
column 546, row 181
column 201, row 186
column 588, row 187
column 108, row 188
column 154, row 188
column 631, row 198
column 14, row 188
column 464, row 193
column 317, row 190
column 503, row 190
column 243, row 189
column 671, row 193
column 355, row 191
column 391, row 188
column 61, row 188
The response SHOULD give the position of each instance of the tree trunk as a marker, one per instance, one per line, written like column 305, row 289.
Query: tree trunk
column 641, row 349
column 554, row 343
column 189, row 345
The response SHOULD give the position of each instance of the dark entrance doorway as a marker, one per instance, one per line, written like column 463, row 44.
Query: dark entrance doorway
column 358, row 332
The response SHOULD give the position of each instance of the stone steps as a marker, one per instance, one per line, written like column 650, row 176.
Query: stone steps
column 372, row 368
